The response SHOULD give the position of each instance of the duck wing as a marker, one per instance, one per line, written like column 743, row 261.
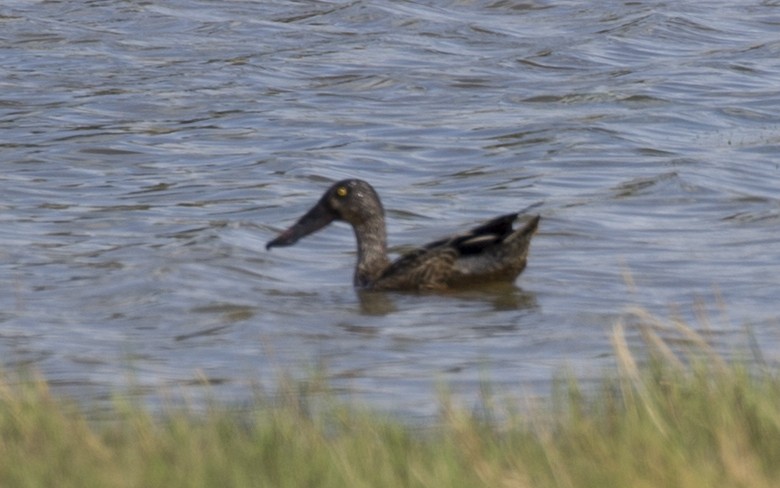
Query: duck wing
column 479, row 238
column 431, row 266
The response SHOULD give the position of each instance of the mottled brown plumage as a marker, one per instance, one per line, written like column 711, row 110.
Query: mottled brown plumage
column 494, row 251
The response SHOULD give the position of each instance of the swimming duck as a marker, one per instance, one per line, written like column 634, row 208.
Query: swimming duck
column 493, row 251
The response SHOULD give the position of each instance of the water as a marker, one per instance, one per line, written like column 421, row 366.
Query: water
column 151, row 149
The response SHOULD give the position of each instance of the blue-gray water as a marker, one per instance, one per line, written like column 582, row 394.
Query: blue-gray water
column 150, row 149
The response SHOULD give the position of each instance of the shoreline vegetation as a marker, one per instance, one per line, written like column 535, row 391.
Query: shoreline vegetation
column 681, row 416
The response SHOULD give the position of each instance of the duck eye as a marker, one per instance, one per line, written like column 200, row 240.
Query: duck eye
column 342, row 191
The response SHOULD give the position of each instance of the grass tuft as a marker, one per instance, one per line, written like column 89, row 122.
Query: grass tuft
column 677, row 416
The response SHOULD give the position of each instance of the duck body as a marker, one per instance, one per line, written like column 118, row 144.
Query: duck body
column 493, row 251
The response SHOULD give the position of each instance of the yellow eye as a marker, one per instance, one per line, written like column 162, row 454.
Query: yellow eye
column 342, row 191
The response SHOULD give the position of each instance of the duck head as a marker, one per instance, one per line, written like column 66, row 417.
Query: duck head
column 352, row 201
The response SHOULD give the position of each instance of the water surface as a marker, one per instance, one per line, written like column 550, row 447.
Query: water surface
column 151, row 149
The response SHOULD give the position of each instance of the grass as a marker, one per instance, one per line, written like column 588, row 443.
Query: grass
column 683, row 418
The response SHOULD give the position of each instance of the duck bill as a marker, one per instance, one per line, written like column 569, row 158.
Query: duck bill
column 315, row 219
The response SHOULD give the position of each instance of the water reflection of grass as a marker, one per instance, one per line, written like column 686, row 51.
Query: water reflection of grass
column 679, row 419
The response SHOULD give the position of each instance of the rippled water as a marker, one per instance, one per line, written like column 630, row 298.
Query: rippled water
column 150, row 149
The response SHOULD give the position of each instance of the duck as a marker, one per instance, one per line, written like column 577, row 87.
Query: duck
column 492, row 251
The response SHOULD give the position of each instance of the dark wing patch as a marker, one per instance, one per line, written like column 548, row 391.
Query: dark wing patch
column 500, row 225
column 476, row 244
column 477, row 239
